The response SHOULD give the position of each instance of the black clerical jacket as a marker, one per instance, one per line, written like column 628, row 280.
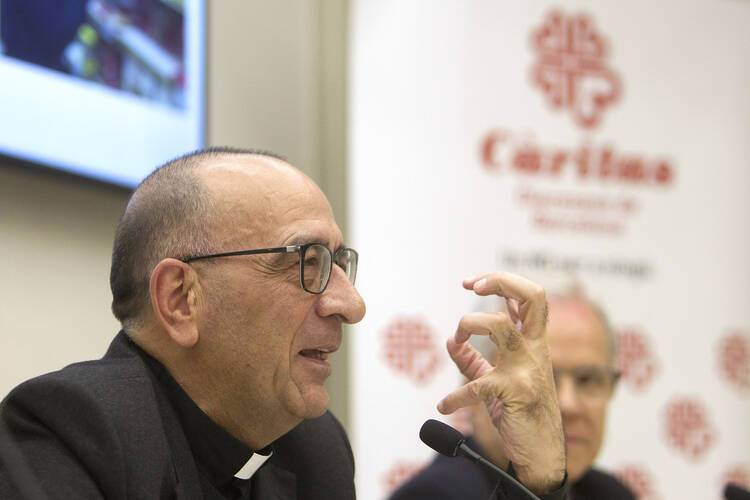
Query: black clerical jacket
column 105, row 429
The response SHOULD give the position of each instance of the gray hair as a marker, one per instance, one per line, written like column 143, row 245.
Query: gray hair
column 170, row 214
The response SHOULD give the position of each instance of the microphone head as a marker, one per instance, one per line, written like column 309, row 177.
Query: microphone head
column 734, row 492
column 441, row 437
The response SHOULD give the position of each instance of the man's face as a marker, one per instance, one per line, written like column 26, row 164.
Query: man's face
column 266, row 338
column 578, row 345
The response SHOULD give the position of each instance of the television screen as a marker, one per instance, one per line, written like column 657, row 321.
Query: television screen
column 107, row 89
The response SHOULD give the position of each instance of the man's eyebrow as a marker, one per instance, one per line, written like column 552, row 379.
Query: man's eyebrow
column 301, row 239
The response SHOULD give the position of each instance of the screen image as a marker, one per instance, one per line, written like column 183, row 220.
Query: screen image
column 107, row 89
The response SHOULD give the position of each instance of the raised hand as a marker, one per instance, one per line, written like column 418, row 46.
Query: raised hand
column 519, row 391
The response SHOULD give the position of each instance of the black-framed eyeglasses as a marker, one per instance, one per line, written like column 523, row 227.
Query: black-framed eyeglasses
column 315, row 262
column 595, row 382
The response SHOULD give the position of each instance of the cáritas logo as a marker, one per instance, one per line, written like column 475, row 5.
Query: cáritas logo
column 571, row 68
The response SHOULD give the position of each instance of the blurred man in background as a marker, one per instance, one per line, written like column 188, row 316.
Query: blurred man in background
column 583, row 349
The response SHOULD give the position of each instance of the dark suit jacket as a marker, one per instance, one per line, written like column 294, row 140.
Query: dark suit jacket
column 105, row 429
column 449, row 478
column 456, row 478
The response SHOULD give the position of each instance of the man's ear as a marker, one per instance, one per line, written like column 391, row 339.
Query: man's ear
column 173, row 288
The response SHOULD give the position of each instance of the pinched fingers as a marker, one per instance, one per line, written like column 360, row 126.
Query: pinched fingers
column 531, row 299
column 469, row 361
column 512, row 307
column 485, row 380
column 499, row 326
column 484, row 389
column 482, row 323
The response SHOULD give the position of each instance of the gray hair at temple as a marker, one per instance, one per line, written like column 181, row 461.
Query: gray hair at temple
column 572, row 291
column 170, row 214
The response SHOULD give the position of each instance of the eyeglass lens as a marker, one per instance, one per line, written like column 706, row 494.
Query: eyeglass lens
column 316, row 266
column 347, row 260
column 591, row 381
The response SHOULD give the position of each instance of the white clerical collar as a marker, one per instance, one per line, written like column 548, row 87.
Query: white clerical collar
column 252, row 465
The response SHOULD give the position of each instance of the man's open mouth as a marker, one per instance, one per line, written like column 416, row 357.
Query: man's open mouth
column 321, row 354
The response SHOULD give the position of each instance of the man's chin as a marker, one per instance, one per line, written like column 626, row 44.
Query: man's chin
column 312, row 403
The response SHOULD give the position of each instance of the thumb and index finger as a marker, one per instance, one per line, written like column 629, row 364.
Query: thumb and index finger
column 473, row 366
column 530, row 297
column 486, row 382
column 531, row 318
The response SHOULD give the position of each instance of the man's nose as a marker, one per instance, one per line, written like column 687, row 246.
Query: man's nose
column 341, row 298
column 567, row 396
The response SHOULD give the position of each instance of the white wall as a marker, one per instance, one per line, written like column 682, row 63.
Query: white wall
column 55, row 242
column 275, row 81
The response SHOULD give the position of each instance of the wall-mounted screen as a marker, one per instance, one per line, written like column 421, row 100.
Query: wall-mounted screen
column 107, row 89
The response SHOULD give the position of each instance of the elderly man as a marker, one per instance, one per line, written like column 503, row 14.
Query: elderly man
column 232, row 282
column 583, row 352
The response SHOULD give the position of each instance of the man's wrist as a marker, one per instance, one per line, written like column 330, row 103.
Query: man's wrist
column 540, row 484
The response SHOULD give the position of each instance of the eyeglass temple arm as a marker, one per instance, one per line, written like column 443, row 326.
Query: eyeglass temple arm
column 287, row 249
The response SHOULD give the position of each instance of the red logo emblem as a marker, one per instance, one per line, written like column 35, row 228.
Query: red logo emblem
column 635, row 359
column 687, row 428
column 571, row 68
column 409, row 348
column 734, row 360
column 638, row 480
column 399, row 473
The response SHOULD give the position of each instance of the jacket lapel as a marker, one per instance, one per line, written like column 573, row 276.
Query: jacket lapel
column 184, row 478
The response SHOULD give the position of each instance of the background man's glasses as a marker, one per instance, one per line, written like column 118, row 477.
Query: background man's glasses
column 593, row 382
column 315, row 262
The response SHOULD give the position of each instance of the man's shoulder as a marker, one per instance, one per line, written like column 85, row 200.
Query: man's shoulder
column 102, row 380
column 447, row 478
column 597, row 482
column 94, row 426
column 98, row 371
column 91, row 397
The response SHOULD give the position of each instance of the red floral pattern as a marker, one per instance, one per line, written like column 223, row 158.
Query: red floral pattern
column 687, row 428
column 639, row 480
column 409, row 348
column 635, row 359
column 734, row 360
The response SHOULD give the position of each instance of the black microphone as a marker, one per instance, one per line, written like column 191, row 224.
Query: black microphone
column 734, row 492
column 447, row 441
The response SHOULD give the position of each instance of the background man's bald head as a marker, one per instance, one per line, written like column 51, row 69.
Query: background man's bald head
column 570, row 300
column 573, row 303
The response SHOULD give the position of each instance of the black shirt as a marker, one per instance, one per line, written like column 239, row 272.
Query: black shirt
column 217, row 453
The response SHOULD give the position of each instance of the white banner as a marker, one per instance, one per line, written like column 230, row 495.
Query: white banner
column 603, row 139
